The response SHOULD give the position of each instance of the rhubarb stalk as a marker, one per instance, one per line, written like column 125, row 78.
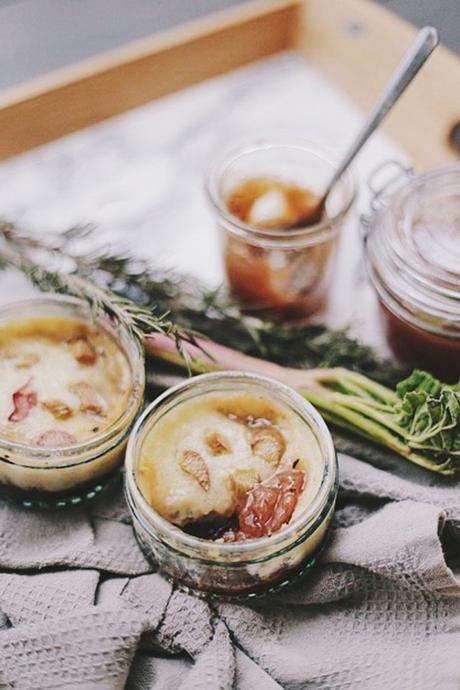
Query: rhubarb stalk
column 420, row 420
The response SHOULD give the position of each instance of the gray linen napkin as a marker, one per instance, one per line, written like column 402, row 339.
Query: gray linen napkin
column 80, row 607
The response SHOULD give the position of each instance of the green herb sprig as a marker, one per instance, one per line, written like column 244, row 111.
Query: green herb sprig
column 210, row 312
column 139, row 320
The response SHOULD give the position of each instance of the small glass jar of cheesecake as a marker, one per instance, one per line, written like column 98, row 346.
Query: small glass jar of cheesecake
column 231, row 481
column 71, row 385
column 276, row 264
column 413, row 257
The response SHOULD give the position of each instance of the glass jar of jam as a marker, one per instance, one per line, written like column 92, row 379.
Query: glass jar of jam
column 412, row 251
column 231, row 480
column 276, row 263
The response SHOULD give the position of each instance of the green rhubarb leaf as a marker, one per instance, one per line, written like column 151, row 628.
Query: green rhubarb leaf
column 429, row 417
column 420, row 382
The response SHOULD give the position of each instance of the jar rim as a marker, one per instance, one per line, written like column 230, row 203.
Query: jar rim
column 311, row 232
column 76, row 454
column 423, row 292
column 189, row 542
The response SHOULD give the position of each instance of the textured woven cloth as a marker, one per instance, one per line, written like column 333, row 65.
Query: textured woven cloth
column 80, row 607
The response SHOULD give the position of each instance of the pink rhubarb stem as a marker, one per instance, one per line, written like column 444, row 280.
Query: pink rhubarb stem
column 216, row 357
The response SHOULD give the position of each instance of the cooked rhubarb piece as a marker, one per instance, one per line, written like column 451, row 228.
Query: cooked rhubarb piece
column 55, row 439
column 83, row 350
column 269, row 506
column 58, row 409
column 90, row 400
column 26, row 360
column 23, row 400
column 268, row 443
column 194, row 465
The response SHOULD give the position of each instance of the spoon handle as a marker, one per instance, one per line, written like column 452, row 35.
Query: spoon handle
column 426, row 41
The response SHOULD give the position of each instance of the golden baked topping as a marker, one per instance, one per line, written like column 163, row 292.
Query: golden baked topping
column 26, row 360
column 241, row 481
column 217, row 444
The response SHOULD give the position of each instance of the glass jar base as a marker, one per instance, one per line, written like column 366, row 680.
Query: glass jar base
column 290, row 313
column 270, row 586
column 47, row 500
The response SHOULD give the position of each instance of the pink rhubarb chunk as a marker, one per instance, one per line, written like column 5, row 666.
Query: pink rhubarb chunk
column 24, row 399
column 55, row 439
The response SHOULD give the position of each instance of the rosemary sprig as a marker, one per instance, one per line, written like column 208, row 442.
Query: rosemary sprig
column 211, row 313
column 139, row 320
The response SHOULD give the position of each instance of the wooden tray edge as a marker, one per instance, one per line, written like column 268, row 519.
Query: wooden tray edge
column 96, row 89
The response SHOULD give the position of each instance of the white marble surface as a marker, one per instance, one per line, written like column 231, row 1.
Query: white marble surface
column 139, row 176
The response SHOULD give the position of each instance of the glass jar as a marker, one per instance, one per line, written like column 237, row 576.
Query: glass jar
column 242, row 568
column 279, row 272
column 58, row 477
column 412, row 252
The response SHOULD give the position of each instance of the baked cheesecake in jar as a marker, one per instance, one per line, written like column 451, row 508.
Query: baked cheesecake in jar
column 70, row 387
column 231, row 481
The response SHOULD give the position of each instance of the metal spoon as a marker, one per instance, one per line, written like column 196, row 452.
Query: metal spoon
column 426, row 41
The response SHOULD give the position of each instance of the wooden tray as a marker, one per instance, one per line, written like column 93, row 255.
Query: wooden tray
column 355, row 43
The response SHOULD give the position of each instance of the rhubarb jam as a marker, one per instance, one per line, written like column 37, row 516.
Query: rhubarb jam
column 226, row 469
column 287, row 283
column 271, row 204
column 71, row 386
column 278, row 262
column 418, row 347
column 413, row 257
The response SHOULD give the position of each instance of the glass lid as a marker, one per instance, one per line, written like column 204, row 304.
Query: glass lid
column 414, row 244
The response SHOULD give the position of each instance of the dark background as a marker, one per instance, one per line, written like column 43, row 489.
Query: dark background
column 37, row 36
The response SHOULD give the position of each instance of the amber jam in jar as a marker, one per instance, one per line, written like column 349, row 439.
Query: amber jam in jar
column 260, row 193
column 413, row 257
